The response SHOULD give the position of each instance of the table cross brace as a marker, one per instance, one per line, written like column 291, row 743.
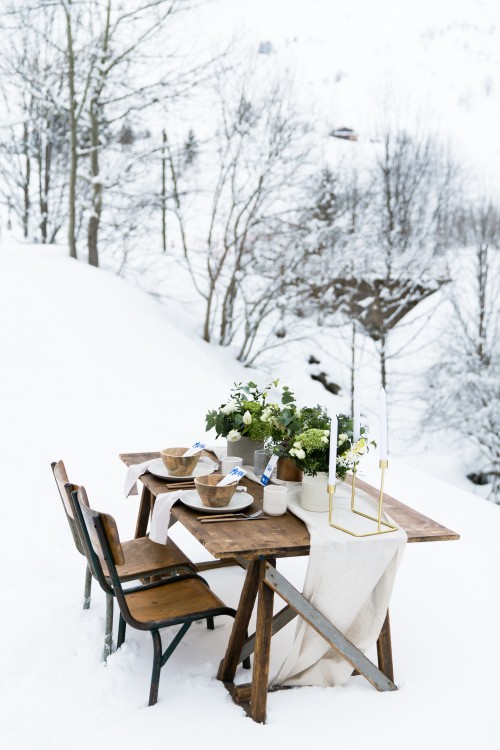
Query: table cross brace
column 326, row 630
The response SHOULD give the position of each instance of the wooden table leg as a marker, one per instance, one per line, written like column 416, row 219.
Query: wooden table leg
column 384, row 649
column 144, row 512
column 228, row 665
column 263, row 634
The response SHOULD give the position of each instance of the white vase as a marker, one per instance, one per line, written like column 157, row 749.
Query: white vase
column 244, row 448
column 314, row 493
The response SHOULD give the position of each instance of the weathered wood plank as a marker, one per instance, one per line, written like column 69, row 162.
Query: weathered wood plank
column 384, row 649
column 282, row 618
column 229, row 664
column 283, row 536
column 329, row 632
column 258, row 699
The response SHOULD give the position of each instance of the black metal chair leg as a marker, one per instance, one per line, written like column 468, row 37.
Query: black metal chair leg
column 122, row 626
column 210, row 623
column 108, row 635
column 88, row 586
column 155, row 676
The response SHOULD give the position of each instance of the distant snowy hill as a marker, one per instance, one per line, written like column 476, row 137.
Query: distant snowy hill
column 429, row 66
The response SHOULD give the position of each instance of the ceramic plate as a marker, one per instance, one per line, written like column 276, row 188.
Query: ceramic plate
column 158, row 469
column 239, row 501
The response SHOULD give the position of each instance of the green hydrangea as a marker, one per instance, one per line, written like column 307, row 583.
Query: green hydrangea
column 313, row 440
column 257, row 430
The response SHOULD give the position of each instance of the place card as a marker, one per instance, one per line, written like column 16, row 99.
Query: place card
column 234, row 476
column 196, row 448
column 266, row 476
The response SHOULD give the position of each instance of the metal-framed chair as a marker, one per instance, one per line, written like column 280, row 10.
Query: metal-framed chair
column 179, row 600
column 142, row 557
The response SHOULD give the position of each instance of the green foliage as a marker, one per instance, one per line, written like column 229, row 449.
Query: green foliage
column 248, row 397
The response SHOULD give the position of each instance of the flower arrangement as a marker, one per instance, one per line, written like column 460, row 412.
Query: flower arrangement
column 311, row 447
column 247, row 413
column 301, row 434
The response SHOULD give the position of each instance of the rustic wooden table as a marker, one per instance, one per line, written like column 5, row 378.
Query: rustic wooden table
column 256, row 546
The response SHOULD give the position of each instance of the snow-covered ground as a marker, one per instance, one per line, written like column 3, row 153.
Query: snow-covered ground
column 91, row 367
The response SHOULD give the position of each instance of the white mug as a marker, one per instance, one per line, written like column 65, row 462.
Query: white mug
column 229, row 462
column 274, row 500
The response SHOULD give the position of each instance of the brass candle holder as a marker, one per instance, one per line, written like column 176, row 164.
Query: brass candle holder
column 376, row 519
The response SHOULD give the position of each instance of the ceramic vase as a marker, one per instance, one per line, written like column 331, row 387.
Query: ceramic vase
column 314, row 493
column 244, row 448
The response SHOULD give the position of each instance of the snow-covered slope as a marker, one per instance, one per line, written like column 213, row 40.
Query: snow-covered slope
column 91, row 367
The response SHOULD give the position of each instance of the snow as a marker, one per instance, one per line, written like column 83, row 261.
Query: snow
column 92, row 367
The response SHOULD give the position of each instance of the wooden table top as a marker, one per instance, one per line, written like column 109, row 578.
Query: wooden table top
column 281, row 536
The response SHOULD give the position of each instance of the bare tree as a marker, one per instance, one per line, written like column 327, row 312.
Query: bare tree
column 464, row 386
column 258, row 158
column 33, row 155
column 381, row 240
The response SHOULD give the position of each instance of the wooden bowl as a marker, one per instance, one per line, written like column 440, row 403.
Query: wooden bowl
column 212, row 496
column 177, row 464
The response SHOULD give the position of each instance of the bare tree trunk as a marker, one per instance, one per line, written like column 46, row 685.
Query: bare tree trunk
column 44, row 166
column 73, row 136
column 208, row 313
column 383, row 359
column 26, row 182
column 164, row 192
column 95, row 216
column 482, row 281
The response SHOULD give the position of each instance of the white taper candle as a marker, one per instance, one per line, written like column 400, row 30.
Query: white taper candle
column 383, row 425
column 332, row 464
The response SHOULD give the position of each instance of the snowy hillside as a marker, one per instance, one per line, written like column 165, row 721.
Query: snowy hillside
column 432, row 65
column 92, row 367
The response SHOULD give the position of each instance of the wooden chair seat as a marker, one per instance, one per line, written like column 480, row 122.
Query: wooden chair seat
column 173, row 602
column 144, row 558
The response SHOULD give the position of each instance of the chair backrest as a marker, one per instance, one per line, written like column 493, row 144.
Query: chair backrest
column 61, row 477
column 104, row 541
column 113, row 546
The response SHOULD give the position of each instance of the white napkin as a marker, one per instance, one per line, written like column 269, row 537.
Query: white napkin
column 137, row 470
column 133, row 474
column 349, row 580
column 160, row 519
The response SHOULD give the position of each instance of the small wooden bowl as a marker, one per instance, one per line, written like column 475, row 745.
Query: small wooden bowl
column 177, row 464
column 212, row 496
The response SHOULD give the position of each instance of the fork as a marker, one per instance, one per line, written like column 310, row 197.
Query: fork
column 258, row 515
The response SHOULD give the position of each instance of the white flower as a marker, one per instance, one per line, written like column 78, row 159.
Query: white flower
column 324, row 439
column 360, row 447
column 326, row 432
column 300, row 454
column 297, row 445
column 230, row 407
column 233, row 436
column 342, row 438
column 247, row 417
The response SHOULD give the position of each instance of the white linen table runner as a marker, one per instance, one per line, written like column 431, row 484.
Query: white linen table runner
column 349, row 580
